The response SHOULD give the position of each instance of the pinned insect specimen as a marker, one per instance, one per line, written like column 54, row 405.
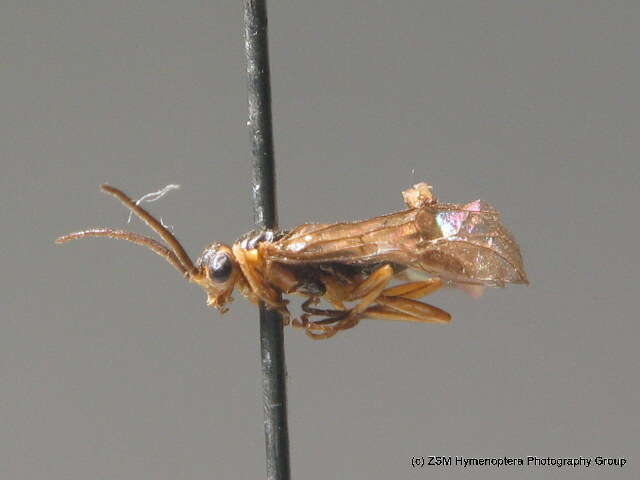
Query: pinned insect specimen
column 347, row 263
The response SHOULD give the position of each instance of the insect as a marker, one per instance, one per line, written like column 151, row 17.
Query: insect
column 347, row 263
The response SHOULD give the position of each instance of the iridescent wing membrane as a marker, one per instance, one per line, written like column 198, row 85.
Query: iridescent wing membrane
column 462, row 243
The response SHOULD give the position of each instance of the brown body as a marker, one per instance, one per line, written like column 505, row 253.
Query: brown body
column 349, row 262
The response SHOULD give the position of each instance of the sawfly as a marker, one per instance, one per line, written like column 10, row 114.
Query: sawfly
column 350, row 265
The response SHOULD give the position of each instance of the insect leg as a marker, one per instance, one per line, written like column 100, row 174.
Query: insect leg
column 310, row 327
column 314, row 330
column 320, row 332
column 326, row 328
column 306, row 306
column 414, row 290
column 250, row 264
column 366, row 293
column 398, row 303
column 319, row 329
column 372, row 283
column 394, row 303
column 406, row 309
column 335, row 292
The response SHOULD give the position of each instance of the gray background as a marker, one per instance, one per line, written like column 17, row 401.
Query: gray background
column 112, row 366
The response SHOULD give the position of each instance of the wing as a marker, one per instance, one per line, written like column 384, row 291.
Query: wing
column 474, row 246
column 379, row 239
column 463, row 243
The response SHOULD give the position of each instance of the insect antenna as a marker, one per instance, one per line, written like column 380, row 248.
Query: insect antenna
column 155, row 225
column 157, row 247
column 175, row 255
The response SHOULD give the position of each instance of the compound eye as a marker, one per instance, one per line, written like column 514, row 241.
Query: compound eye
column 220, row 268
